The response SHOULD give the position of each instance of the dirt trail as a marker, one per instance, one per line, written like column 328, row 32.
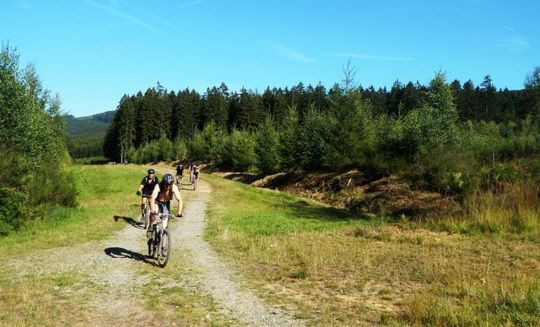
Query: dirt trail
column 114, row 283
column 114, row 269
column 216, row 278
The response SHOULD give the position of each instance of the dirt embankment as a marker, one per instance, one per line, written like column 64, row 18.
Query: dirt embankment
column 362, row 193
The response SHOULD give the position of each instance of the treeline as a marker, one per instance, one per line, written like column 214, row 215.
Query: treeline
column 34, row 163
column 312, row 128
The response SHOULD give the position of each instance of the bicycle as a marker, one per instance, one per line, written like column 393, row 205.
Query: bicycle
column 145, row 216
column 159, row 242
column 195, row 181
column 179, row 181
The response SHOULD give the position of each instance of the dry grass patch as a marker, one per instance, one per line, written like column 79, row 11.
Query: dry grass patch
column 45, row 300
column 345, row 271
column 173, row 295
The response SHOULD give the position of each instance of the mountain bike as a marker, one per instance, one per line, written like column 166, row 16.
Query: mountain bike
column 195, row 181
column 179, row 181
column 145, row 217
column 159, row 242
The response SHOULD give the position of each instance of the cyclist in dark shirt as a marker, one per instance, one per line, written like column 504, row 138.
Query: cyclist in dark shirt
column 147, row 186
column 160, row 201
column 195, row 172
column 179, row 174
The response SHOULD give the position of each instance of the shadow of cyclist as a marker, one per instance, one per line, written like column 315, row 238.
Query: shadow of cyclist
column 130, row 221
column 119, row 253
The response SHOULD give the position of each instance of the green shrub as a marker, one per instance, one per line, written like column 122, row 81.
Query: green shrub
column 241, row 150
column 12, row 208
column 53, row 184
column 267, row 146
column 179, row 150
column 197, row 147
column 315, row 139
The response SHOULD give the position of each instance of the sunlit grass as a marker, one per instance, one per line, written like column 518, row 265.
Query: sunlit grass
column 105, row 191
column 45, row 300
column 330, row 267
column 514, row 209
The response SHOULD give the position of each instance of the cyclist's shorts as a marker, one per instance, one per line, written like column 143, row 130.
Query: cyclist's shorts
column 164, row 207
column 149, row 193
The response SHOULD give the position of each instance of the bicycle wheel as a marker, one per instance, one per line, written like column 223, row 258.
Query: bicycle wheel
column 146, row 217
column 164, row 249
column 150, row 243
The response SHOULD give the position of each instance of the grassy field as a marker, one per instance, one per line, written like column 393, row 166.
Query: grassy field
column 104, row 191
column 332, row 268
column 67, row 298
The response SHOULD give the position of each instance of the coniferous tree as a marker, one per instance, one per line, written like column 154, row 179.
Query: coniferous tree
column 267, row 147
column 215, row 106
column 251, row 111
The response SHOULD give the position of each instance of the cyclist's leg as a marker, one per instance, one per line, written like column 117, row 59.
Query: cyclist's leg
column 166, row 209
column 152, row 222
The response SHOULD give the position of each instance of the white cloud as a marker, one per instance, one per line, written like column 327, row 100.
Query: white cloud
column 119, row 13
column 291, row 54
column 515, row 44
column 367, row 56
column 192, row 3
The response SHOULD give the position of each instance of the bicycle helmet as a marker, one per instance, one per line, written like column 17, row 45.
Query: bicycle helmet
column 168, row 179
column 151, row 171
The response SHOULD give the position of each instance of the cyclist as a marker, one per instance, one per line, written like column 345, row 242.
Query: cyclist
column 160, row 201
column 179, row 174
column 191, row 172
column 195, row 173
column 147, row 186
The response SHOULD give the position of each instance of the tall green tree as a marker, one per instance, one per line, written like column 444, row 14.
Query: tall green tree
column 288, row 138
column 216, row 106
column 251, row 111
column 532, row 87
column 241, row 150
column 267, row 147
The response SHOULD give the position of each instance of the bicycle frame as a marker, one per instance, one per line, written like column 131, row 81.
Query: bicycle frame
column 155, row 242
column 146, row 211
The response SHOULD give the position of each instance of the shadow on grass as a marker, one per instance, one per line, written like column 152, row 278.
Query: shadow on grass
column 130, row 221
column 246, row 178
column 120, row 253
column 296, row 205
column 304, row 209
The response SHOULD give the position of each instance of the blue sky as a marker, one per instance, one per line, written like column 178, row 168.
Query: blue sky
column 91, row 52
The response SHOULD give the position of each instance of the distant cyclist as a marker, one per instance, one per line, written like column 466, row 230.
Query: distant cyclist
column 195, row 173
column 179, row 174
column 147, row 186
column 191, row 172
column 160, row 200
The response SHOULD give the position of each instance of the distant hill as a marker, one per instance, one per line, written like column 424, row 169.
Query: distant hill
column 86, row 134
column 89, row 124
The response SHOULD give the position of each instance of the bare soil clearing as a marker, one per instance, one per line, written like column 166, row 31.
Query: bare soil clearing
column 377, row 194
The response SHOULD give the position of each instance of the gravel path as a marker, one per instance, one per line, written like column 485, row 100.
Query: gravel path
column 215, row 277
column 112, row 266
column 115, row 284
